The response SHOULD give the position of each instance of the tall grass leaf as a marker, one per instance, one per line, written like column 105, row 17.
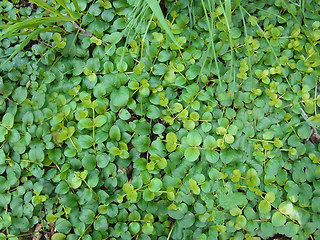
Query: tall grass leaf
column 272, row 49
column 230, row 38
column 51, row 29
column 149, row 23
column 5, row 26
column 306, row 32
column 154, row 5
column 46, row 6
column 75, row 3
column 31, row 23
column 247, row 42
column 263, row 10
column 9, row 19
column 61, row 2
column 211, row 32
column 228, row 10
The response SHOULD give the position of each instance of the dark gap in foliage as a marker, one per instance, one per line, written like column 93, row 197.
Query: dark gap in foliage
column 163, row 7
column 278, row 237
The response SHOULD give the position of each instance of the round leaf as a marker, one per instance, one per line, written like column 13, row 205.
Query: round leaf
column 278, row 219
column 191, row 154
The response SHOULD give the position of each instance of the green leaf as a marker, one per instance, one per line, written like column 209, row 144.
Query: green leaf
column 62, row 188
column 36, row 154
column 115, row 133
column 267, row 230
column 315, row 204
column 241, row 222
column 229, row 138
column 19, row 95
column 100, row 120
column 124, row 114
column 188, row 220
column 122, row 66
column 89, row 162
column 132, row 196
column 210, row 143
column 141, row 143
column 58, row 236
column 155, row 185
column 86, row 123
column 147, row 228
column 291, row 229
column 264, row 206
column 191, row 154
column 3, row 133
column 63, row 226
column 2, row 157
column 194, row 186
column 148, row 195
column 7, row 120
column 199, row 208
column 236, row 175
column 194, row 139
column 87, row 216
column 193, row 72
column 270, row 197
column 112, row 210
column 286, row 208
column 294, row 141
column 171, row 139
column 235, row 211
column 301, row 66
column 85, row 141
column 278, row 219
column 134, row 228
column 304, row 131
column 232, row 200
column 221, row 131
column 120, row 97
column 76, row 182
column 51, row 218
column 100, row 223
column 143, row 127
column 252, row 178
column 149, row 217
column 127, row 188
column 159, row 69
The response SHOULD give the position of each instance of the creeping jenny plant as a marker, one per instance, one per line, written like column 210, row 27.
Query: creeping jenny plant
column 173, row 120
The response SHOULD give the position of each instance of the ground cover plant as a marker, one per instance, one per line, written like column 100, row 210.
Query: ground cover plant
column 177, row 119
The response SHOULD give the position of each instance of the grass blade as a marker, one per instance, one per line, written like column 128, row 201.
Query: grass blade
column 247, row 42
column 261, row 9
column 228, row 10
column 211, row 32
column 9, row 19
column 5, row 26
column 154, row 5
column 230, row 38
column 67, row 9
column 75, row 3
column 306, row 32
column 46, row 6
column 31, row 23
column 272, row 49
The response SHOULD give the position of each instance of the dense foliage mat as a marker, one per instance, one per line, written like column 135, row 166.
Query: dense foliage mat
column 179, row 120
